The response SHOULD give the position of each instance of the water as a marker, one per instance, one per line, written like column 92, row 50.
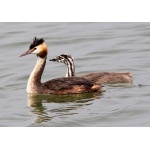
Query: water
column 118, row 47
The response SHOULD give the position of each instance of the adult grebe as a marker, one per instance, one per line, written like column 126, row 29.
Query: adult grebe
column 97, row 78
column 56, row 86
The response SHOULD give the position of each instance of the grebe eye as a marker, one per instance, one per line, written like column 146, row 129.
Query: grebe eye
column 34, row 48
column 61, row 58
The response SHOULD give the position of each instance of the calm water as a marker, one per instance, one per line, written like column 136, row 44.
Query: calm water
column 95, row 47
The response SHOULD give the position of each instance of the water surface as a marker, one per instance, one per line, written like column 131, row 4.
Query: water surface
column 118, row 47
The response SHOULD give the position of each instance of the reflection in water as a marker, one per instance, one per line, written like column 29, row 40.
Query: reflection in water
column 38, row 104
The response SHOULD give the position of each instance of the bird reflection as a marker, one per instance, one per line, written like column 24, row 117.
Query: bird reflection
column 47, row 107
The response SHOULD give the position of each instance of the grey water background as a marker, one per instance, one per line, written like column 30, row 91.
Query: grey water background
column 119, row 47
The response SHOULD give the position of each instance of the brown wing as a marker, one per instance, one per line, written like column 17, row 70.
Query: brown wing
column 109, row 77
column 70, row 85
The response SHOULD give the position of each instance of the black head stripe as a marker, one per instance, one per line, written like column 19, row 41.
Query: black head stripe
column 64, row 56
column 36, row 42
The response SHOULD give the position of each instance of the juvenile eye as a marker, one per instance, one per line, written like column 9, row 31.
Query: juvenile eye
column 60, row 57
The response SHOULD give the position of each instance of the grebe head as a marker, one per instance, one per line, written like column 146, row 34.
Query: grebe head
column 63, row 58
column 68, row 61
column 38, row 47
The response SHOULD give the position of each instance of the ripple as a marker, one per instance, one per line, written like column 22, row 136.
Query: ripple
column 95, row 47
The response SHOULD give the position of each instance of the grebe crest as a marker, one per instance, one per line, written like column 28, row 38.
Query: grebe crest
column 38, row 47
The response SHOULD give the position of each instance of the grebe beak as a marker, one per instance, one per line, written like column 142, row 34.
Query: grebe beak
column 26, row 53
column 55, row 59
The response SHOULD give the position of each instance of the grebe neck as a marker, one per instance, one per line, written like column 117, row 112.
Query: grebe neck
column 35, row 76
column 70, row 68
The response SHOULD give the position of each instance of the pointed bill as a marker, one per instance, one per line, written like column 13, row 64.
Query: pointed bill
column 26, row 53
column 55, row 59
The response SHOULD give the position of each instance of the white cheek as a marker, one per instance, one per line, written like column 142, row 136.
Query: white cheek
column 36, row 51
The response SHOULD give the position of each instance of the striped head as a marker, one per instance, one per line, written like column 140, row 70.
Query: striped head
column 63, row 58
column 68, row 61
column 37, row 47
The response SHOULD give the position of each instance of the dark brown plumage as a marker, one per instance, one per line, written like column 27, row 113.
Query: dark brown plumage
column 109, row 77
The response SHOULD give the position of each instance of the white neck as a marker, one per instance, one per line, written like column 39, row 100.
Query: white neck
column 35, row 77
column 70, row 68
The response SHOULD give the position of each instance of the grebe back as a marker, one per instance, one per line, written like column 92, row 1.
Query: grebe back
column 55, row 86
column 99, row 77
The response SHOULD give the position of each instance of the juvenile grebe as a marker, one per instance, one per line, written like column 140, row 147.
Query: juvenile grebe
column 55, row 86
column 97, row 78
